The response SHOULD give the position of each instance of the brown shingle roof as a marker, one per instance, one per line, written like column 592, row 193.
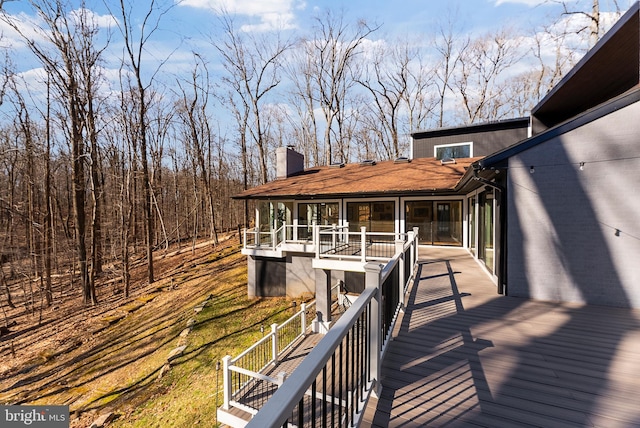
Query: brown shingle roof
column 423, row 175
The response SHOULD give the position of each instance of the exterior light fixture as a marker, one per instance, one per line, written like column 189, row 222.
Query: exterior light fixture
column 617, row 232
column 581, row 166
column 532, row 169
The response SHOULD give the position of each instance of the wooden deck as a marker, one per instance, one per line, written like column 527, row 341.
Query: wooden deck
column 465, row 356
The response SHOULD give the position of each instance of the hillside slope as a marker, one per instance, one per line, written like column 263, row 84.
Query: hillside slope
column 114, row 357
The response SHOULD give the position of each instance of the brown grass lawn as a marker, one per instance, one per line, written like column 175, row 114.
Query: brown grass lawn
column 109, row 358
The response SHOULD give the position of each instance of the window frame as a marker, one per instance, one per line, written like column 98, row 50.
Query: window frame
column 440, row 146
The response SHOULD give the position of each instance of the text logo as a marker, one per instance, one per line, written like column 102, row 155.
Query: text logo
column 34, row 416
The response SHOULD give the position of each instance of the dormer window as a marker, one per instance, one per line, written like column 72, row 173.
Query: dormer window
column 453, row 151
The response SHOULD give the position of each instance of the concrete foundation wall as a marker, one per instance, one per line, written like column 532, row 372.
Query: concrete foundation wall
column 292, row 276
column 574, row 235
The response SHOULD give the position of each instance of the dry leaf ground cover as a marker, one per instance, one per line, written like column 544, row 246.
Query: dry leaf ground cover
column 110, row 358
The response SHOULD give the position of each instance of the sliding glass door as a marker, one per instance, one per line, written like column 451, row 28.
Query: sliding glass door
column 439, row 222
column 375, row 216
column 485, row 232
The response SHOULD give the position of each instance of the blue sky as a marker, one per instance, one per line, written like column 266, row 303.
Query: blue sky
column 396, row 16
column 190, row 24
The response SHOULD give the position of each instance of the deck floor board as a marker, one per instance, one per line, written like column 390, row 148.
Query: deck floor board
column 464, row 356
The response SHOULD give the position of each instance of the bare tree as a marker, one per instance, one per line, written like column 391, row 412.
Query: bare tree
column 26, row 131
column 87, row 56
column 592, row 22
column 134, row 47
column 303, row 97
column 388, row 79
column 449, row 47
column 61, row 63
column 483, row 66
column 253, row 66
column 199, row 138
column 334, row 47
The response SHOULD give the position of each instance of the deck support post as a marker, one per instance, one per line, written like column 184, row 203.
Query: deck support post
column 323, row 299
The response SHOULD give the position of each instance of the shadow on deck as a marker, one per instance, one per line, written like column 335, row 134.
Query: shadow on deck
column 463, row 355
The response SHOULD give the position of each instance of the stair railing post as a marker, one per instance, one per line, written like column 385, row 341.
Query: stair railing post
column 226, row 382
column 274, row 342
column 363, row 244
column 372, row 280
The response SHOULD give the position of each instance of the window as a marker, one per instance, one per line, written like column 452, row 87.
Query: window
column 325, row 213
column 322, row 214
column 375, row 216
column 453, row 151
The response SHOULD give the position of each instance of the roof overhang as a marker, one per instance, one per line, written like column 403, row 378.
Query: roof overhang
column 609, row 69
column 499, row 159
column 420, row 177
column 516, row 123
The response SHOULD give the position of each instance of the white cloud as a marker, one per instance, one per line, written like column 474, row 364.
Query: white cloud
column 530, row 3
column 102, row 21
column 35, row 29
column 270, row 21
column 269, row 13
column 27, row 25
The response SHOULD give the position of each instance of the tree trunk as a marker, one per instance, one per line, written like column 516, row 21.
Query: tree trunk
column 48, row 231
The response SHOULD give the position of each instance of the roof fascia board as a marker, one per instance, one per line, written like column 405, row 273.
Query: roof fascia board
column 361, row 195
column 634, row 9
column 468, row 129
column 591, row 115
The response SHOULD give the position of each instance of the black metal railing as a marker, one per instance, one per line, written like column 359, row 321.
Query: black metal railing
column 331, row 386
column 333, row 383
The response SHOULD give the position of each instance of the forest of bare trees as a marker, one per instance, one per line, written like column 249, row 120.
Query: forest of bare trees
column 97, row 171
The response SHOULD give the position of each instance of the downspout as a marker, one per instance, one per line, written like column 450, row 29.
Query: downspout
column 502, row 272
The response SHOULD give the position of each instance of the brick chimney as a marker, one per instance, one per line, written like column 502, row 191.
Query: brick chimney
column 289, row 162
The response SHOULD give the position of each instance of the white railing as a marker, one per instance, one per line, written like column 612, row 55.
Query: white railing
column 287, row 233
column 242, row 374
column 254, row 238
column 330, row 242
column 339, row 243
column 317, row 393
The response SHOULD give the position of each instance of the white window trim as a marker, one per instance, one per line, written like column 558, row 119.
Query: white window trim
column 466, row 143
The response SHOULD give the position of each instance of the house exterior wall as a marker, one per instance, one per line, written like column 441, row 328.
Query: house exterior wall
column 291, row 276
column 484, row 142
column 574, row 235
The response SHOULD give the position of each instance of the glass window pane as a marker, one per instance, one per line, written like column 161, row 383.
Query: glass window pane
column 419, row 214
column 382, row 217
column 439, row 222
column 264, row 214
column 453, row 152
column 375, row 216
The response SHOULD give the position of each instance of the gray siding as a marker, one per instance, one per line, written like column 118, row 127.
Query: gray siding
column 574, row 235
column 484, row 142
